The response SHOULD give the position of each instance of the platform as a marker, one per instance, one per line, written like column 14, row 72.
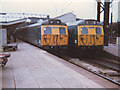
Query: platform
column 32, row 67
column 113, row 49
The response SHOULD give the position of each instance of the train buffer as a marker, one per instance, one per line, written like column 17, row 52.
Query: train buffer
column 12, row 46
column 4, row 59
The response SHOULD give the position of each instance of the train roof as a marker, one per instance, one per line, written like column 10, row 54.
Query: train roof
column 36, row 24
column 84, row 22
column 53, row 22
column 46, row 22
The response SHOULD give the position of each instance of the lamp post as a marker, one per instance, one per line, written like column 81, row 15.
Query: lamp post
column 0, row 40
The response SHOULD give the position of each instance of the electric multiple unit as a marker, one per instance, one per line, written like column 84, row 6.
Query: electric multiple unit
column 86, row 34
column 51, row 33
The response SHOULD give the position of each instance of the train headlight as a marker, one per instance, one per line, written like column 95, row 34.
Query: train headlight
column 39, row 41
column 44, row 29
column 75, row 41
column 81, row 29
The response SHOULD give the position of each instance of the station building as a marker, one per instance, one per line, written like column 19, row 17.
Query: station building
column 68, row 17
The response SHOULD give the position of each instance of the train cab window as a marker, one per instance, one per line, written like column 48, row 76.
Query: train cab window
column 91, row 27
column 62, row 30
column 84, row 30
column 47, row 30
column 55, row 27
column 98, row 30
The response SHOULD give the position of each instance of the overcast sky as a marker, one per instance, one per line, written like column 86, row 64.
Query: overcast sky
column 81, row 8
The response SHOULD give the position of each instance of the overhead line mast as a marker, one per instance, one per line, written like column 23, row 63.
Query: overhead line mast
column 106, row 9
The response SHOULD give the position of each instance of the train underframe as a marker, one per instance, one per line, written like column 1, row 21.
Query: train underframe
column 98, row 47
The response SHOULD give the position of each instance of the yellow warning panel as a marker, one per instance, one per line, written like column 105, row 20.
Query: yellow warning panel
column 90, row 40
column 54, row 40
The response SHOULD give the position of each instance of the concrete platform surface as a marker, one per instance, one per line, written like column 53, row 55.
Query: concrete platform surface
column 113, row 49
column 31, row 67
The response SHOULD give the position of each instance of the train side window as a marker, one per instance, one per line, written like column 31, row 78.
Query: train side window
column 98, row 30
column 62, row 30
column 47, row 30
column 84, row 30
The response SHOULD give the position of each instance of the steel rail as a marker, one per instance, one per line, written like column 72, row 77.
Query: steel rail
column 113, row 81
column 107, row 78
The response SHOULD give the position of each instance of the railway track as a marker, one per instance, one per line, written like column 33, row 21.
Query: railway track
column 108, row 64
column 100, row 60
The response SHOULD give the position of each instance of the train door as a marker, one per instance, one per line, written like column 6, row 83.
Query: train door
column 73, row 35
